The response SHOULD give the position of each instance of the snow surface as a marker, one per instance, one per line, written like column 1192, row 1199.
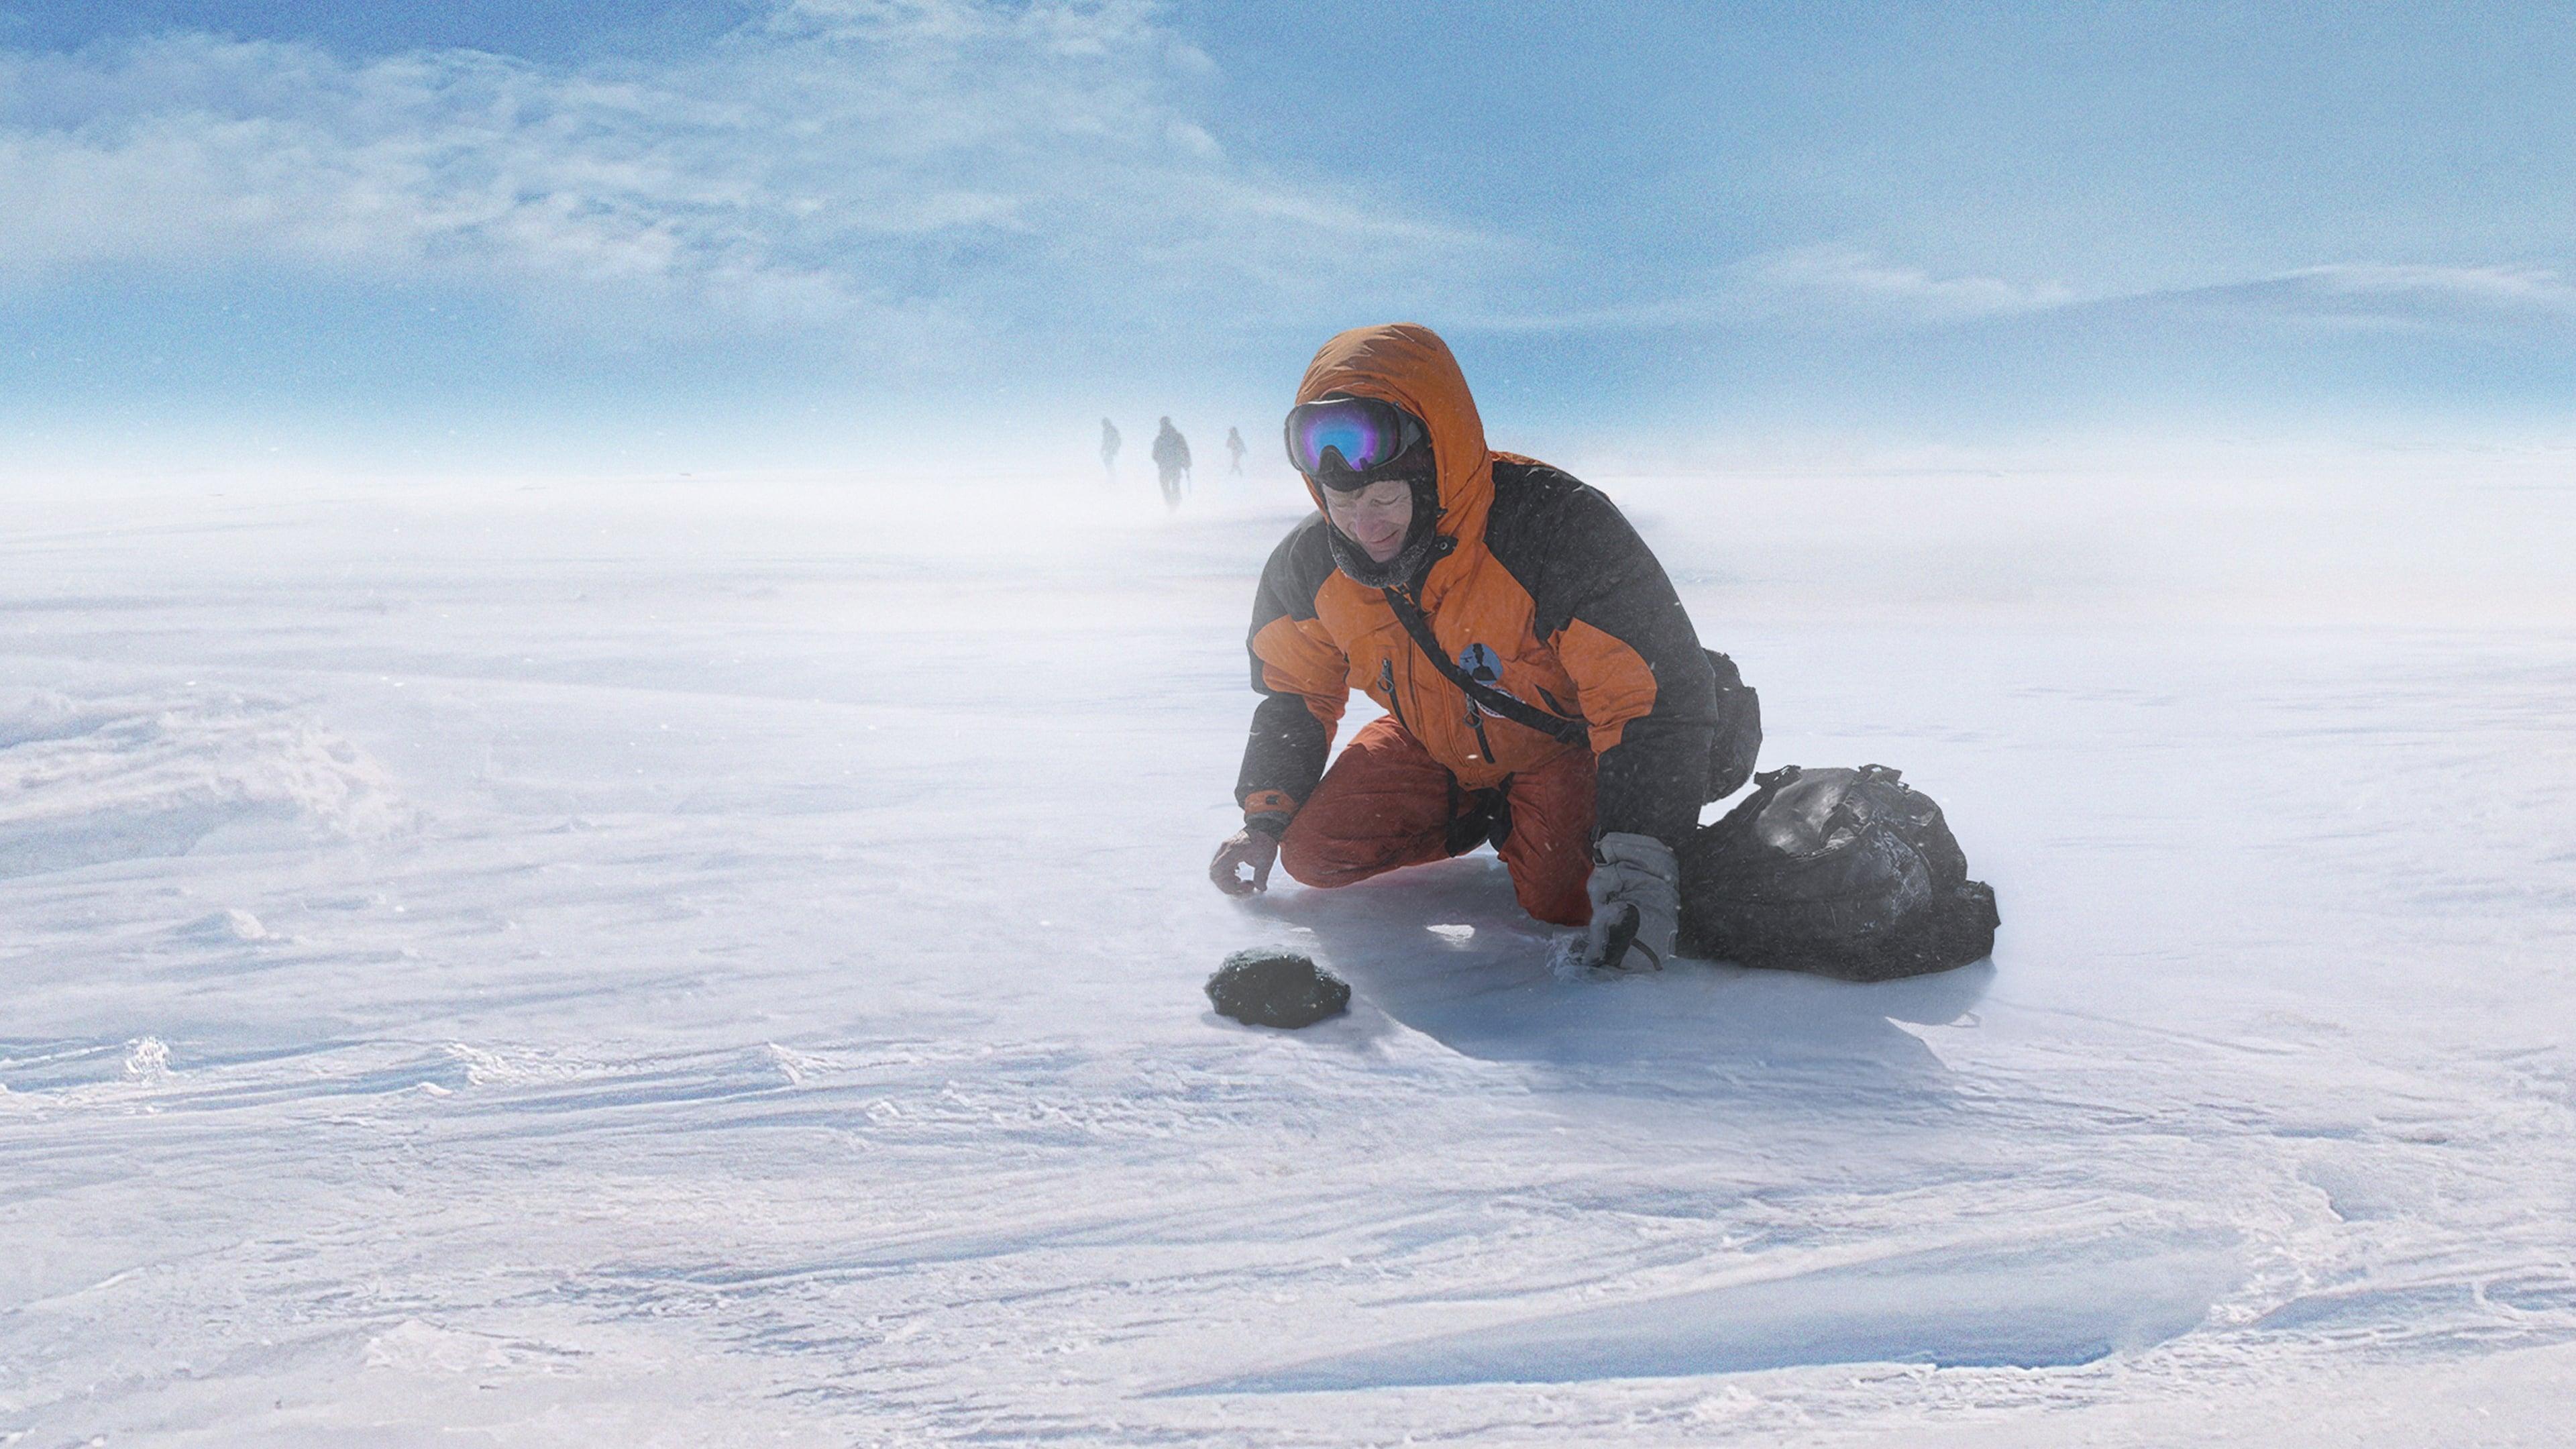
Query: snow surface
column 707, row 962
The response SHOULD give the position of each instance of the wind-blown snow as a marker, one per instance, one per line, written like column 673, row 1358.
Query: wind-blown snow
column 718, row 962
column 116, row 779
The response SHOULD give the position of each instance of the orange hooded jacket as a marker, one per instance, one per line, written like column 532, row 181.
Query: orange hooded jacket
column 1535, row 580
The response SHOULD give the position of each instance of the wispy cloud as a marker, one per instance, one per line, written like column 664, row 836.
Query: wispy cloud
column 889, row 170
column 1828, row 286
column 2514, row 288
column 1836, row 282
column 2402, row 296
column 1836, row 288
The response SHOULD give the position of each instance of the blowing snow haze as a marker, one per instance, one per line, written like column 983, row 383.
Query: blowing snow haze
column 567, row 230
column 609, row 746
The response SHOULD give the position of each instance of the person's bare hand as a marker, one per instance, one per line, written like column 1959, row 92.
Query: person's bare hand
column 1246, row 847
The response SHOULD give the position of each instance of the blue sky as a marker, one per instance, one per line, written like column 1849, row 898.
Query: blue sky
column 817, row 218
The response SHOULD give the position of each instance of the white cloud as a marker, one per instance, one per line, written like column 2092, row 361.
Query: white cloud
column 2499, row 289
column 1836, row 287
column 1830, row 286
column 916, row 170
column 1837, row 282
column 2384, row 298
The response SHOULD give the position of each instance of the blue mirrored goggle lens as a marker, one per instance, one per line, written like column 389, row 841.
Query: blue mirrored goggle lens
column 1364, row 434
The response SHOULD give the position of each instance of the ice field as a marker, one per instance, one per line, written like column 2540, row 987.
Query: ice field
column 716, row 961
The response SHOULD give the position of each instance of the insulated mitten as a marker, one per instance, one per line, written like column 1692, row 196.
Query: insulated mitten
column 1636, row 904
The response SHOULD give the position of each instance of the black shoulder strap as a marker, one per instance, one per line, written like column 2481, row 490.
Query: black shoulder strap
column 1492, row 701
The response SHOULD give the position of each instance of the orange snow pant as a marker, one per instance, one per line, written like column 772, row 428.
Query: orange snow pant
column 1386, row 803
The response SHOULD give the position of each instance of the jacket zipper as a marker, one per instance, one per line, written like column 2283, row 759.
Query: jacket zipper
column 1476, row 722
column 1386, row 681
column 1475, row 716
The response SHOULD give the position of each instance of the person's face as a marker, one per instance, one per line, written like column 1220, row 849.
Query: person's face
column 1376, row 517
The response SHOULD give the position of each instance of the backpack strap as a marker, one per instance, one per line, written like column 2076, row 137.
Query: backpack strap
column 1492, row 701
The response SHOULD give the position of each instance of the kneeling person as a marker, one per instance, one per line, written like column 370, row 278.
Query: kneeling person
column 1543, row 688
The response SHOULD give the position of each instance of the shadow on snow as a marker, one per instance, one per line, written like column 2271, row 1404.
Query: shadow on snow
column 1445, row 950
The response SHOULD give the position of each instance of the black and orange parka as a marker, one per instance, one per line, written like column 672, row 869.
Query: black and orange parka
column 1536, row 581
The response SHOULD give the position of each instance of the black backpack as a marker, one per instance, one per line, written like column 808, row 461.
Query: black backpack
column 1845, row 873
column 1738, row 737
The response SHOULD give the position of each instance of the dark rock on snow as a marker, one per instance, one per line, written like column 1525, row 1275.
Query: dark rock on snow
column 1267, row 986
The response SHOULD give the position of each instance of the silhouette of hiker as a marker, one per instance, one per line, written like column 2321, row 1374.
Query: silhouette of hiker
column 1234, row 445
column 1171, row 461
column 1109, row 441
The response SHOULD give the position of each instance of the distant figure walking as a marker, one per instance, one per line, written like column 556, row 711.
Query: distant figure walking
column 1171, row 461
column 1109, row 441
column 1234, row 445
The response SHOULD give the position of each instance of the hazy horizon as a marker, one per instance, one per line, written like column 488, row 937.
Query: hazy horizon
column 788, row 232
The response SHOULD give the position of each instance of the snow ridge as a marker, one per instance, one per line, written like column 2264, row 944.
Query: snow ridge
column 123, row 778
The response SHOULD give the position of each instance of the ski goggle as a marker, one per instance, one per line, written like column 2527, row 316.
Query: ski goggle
column 1350, row 434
